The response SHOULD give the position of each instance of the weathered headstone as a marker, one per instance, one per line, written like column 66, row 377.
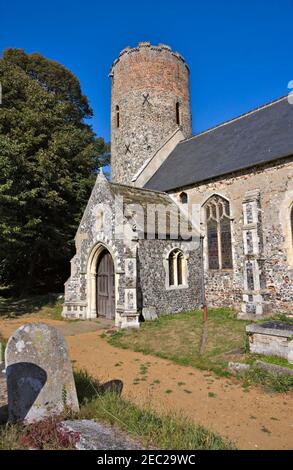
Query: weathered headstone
column 149, row 313
column 40, row 381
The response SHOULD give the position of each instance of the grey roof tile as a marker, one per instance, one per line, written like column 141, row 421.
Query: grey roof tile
column 260, row 136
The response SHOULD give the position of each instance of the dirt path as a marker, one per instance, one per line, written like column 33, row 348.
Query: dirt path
column 252, row 419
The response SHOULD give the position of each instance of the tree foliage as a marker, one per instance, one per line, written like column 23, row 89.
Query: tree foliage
column 48, row 160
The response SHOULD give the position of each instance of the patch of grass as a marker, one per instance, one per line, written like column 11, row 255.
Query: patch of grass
column 86, row 386
column 177, row 338
column 3, row 343
column 168, row 391
column 279, row 361
column 278, row 316
column 49, row 305
column 211, row 394
column 143, row 370
column 10, row 437
column 269, row 380
column 266, row 430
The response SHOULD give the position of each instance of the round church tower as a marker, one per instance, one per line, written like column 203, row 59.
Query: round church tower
column 150, row 100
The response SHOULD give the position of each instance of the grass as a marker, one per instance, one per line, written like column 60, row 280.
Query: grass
column 278, row 316
column 10, row 436
column 278, row 361
column 268, row 380
column 3, row 343
column 178, row 338
column 49, row 305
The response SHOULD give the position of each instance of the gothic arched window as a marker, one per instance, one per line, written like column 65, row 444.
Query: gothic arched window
column 218, row 222
column 183, row 198
column 176, row 263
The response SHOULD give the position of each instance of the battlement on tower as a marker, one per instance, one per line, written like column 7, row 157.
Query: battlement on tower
column 142, row 47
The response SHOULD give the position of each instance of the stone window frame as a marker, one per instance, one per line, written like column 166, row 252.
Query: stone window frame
column 179, row 252
column 203, row 219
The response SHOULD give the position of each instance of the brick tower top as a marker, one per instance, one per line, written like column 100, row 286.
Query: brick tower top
column 150, row 99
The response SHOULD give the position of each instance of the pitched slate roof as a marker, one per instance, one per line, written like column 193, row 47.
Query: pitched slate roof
column 260, row 136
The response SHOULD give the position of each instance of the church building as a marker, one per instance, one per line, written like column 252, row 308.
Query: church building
column 186, row 219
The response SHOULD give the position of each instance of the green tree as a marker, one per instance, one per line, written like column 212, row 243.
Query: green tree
column 48, row 160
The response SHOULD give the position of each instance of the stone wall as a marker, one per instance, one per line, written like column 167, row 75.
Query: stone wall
column 153, row 289
column 147, row 82
column 275, row 185
column 96, row 231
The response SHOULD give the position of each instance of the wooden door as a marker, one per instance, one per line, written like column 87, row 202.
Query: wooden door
column 105, row 286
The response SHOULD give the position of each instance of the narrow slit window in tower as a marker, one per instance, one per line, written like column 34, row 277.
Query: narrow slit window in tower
column 178, row 113
column 117, row 116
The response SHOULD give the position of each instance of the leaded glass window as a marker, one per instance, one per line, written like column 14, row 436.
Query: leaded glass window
column 219, row 233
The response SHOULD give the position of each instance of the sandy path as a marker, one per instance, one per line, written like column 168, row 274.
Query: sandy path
column 253, row 419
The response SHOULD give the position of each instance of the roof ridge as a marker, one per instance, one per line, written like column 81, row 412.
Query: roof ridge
column 141, row 189
column 230, row 121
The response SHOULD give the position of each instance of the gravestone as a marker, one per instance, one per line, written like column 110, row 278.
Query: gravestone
column 39, row 375
column 149, row 313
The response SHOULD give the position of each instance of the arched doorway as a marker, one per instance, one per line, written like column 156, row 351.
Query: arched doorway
column 105, row 286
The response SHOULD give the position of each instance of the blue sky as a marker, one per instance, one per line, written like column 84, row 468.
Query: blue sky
column 240, row 52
